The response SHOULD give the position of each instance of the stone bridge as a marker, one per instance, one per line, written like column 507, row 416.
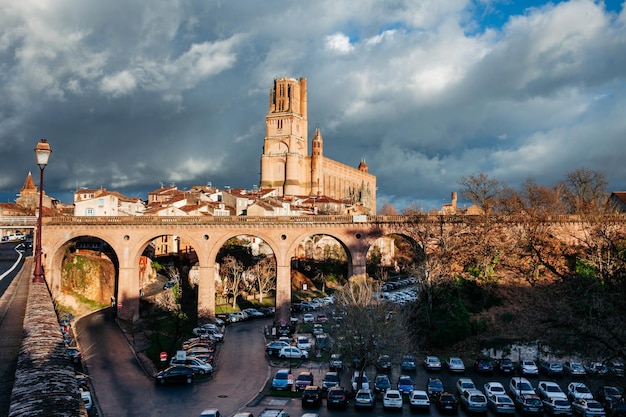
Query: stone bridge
column 128, row 237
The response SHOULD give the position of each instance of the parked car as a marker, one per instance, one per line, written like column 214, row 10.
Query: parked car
column 335, row 363
column 432, row 363
column 405, row 384
column 85, row 395
column 273, row 348
column 408, row 363
column 574, row 369
column 211, row 412
column 303, row 343
column 303, row 380
column 587, row 408
column 505, row 366
column 383, row 364
column 547, row 389
column 494, row 387
column 551, row 368
column 175, row 374
column 463, row 384
column 616, row 367
column 381, row 383
column 501, row 404
column 519, row 386
column 447, row 403
column 318, row 329
column 611, row 399
column 199, row 366
column 392, row 399
column 311, row 396
column 419, row 401
column 308, row 318
column 528, row 367
column 578, row 391
column 283, row 380
column 528, row 404
column 364, row 398
column 322, row 318
column 336, row 397
column 331, row 379
column 596, row 368
column 484, row 366
column 292, row 352
column 557, row 406
column 474, row 401
column 73, row 353
column 455, row 364
column 365, row 383
column 434, row 387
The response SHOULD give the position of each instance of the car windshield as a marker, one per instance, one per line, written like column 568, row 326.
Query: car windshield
column 553, row 388
column 405, row 381
column 477, row 398
column 420, row 397
column 533, row 401
column 504, row 400
column 435, row 384
column 281, row 376
column 582, row 389
column 524, row 386
column 363, row 395
column 496, row 388
column 594, row 405
column 332, row 378
column 611, row 391
column 561, row 403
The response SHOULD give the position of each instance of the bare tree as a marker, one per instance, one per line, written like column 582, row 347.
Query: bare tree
column 370, row 327
column 387, row 209
column 232, row 272
column 265, row 273
column 586, row 191
column 482, row 191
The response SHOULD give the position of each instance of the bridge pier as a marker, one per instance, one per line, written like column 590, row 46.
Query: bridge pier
column 206, row 291
column 128, row 294
column 283, row 292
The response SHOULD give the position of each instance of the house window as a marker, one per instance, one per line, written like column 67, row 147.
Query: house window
column 101, row 202
column 90, row 212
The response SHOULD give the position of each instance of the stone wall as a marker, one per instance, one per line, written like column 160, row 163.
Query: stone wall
column 45, row 382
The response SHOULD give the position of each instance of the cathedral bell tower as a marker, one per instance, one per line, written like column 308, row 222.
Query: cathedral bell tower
column 284, row 159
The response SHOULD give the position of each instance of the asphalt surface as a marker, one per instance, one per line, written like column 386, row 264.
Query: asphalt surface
column 12, row 308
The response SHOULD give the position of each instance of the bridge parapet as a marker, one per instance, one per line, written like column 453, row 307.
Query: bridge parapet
column 45, row 382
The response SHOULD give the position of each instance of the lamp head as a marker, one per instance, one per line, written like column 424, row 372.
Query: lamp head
column 43, row 151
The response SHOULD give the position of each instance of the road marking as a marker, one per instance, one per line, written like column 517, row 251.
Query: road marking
column 14, row 265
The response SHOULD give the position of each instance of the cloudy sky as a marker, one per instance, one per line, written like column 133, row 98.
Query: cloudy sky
column 133, row 93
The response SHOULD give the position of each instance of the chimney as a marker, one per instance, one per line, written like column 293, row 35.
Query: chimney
column 454, row 200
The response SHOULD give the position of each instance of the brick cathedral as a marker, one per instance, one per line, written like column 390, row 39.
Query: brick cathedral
column 286, row 164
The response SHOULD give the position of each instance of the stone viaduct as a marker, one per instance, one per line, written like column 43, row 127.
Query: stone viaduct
column 129, row 236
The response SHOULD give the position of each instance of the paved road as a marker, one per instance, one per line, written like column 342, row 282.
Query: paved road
column 123, row 389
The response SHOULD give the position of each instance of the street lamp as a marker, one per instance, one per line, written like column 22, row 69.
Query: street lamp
column 42, row 151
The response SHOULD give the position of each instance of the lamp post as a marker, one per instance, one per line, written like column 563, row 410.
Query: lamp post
column 42, row 151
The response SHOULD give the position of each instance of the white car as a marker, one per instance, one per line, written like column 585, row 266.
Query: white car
column 392, row 399
column 528, row 367
column 455, row 364
column 292, row 352
column 520, row 386
column 199, row 366
column 419, row 401
column 494, row 387
column 365, row 382
column 308, row 318
column 464, row 384
column 578, row 391
column 549, row 389
column 303, row 343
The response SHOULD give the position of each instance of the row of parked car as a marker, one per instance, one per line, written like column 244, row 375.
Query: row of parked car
column 75, row 355
column 195, row 356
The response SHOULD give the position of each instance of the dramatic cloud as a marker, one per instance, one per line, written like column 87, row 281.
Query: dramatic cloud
column 132, row 94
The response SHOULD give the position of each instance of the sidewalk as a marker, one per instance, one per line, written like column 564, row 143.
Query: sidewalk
column 12, row 309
